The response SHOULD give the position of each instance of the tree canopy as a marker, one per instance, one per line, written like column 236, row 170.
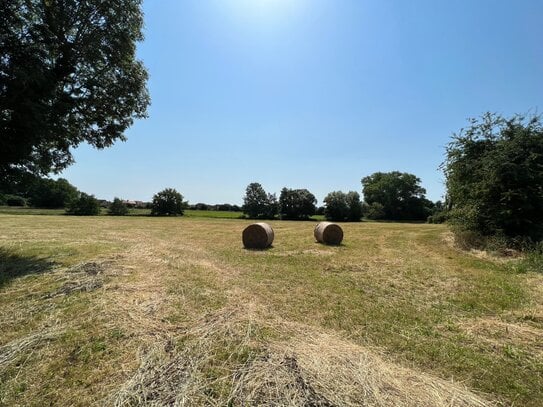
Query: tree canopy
column 48, row 193
column 168, row 202
column 258, row 204
column 118, row 208
column 296, row 203
column 84, row 205
column 400, row 194
column 341, row 206
column 494, row 177
column 68, row 75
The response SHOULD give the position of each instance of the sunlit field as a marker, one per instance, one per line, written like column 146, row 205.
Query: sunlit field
column 163, row 311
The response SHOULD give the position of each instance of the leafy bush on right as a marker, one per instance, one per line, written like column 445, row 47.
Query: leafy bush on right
column 494, row 179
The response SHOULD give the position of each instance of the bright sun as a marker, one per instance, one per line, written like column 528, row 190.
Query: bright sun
column 265, row 10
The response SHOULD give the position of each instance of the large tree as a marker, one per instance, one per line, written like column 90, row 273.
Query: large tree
column 48, row 193
column 494, row 175
column 259, row 204
column 296, row 203
column 68, row 74
column 168, row 202
column 400, row 194
column 341, row 206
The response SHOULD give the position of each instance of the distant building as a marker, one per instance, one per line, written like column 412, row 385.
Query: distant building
column 134, row 204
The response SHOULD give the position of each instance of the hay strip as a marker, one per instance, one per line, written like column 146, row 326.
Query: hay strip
column 11, row 351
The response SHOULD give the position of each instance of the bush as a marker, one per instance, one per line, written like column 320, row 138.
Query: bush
column 168, row 202
column 118, row 208
column 15, row 200
column 494, row 173
column 84, row 205
column 48, row 193
column 532, row 260
column 439, row 217
column 201, row 207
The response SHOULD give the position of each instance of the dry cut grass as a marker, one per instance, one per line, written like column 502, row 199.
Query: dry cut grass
column 138, row 311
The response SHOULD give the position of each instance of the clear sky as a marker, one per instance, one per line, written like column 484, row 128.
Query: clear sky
column 314, row 94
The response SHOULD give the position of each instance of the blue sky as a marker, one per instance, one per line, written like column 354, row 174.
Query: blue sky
column 314, row 94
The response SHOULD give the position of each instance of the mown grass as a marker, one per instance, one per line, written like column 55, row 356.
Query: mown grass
column 401, row 289
column 189, row 213
column 18, row 210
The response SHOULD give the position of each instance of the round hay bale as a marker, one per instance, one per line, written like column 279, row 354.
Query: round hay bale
column 328, row 233
column 257, row 236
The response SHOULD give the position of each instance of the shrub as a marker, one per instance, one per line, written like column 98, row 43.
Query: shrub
column 48, row 193
column 168, row 202
column 118, row 208
column 532, row 260
column 439, row 217
column 201, row 207
column 15, row 200
column 468, row 239
column 84, row 205
column 494, row 173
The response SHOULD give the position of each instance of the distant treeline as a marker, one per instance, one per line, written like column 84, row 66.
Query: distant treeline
column 387, row 196
column 218, row 207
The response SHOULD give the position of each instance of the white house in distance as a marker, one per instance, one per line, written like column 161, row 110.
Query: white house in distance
column 134, row 204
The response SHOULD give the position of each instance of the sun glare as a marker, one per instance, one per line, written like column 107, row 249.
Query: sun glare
column 262, row 11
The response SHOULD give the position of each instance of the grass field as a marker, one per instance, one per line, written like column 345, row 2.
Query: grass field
column 173, row 311
column 189, row 213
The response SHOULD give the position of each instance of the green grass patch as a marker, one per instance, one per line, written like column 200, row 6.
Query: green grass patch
column 400, row 288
